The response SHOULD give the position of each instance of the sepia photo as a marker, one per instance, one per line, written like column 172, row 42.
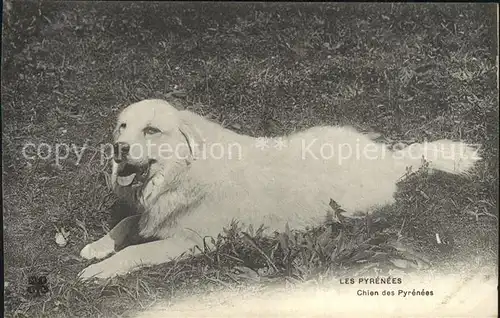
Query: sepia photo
column 227, row 159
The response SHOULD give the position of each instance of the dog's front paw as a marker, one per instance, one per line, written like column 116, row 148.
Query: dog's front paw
column 99, row 249
column 108, row 268
column 94, row 271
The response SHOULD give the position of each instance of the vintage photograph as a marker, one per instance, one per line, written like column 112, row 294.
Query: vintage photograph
column 230, row 159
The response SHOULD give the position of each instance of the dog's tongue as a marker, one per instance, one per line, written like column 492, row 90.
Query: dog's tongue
column 125, row 180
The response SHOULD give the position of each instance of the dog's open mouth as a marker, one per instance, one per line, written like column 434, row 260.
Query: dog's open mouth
column 129, row 174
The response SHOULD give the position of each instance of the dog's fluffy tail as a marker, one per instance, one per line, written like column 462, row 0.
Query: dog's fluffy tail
column 444, row 155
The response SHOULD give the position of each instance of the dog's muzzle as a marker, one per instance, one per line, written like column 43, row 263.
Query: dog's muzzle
column 120, row 151
column 129, row 174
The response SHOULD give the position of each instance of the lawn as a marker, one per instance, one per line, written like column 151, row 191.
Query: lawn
column 410, row 72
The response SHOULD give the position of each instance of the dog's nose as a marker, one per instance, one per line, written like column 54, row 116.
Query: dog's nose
column 121, row 149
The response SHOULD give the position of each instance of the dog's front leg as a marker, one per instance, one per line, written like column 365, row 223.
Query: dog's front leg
column 137, row 256
column 121, row 235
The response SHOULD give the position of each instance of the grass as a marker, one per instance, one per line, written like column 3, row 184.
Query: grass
column 408, row 71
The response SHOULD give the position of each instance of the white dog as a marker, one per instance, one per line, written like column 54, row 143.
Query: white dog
column 191, row 177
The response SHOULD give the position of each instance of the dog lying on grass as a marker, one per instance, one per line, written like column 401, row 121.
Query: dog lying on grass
column 191, row 177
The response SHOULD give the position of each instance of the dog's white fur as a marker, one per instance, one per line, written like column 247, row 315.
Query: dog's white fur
column 193, row 194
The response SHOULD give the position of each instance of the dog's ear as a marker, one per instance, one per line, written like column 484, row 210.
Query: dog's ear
column 192, row 136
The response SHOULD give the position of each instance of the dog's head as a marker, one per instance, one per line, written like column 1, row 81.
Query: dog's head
column 151, row 137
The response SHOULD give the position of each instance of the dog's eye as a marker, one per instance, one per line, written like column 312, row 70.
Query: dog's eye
column 151, row 131
column 120, row 128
